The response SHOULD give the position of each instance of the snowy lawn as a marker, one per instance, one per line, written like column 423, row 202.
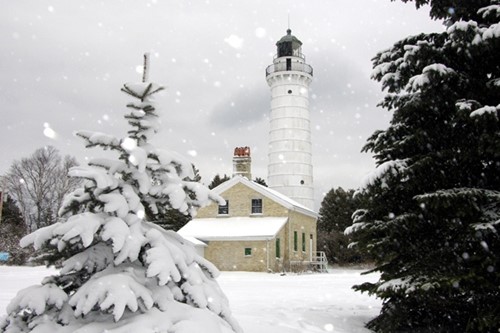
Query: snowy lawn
column 264, row 303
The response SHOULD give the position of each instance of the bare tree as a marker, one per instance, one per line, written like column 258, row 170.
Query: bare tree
column 38, row 184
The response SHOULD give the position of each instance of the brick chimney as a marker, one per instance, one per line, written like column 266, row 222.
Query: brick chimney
column 242, row 162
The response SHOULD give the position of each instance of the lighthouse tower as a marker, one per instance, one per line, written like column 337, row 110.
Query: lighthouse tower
column 290, row 170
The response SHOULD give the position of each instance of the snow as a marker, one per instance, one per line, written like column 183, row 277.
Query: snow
column 384, row 170
column 141, row 90
column 428, row 74
column 461, row 26
column 492, row 32
column 354, row 228
column 234, row 228
column 486, row 110
column 490, row 10
column 261, row 302
column 97, row 138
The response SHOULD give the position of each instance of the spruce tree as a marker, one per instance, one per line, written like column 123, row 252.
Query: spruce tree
column 432, row 221
column 12, row 229
column 335, row 214
column 122, row 273
column 217, row 180
column 170, row 218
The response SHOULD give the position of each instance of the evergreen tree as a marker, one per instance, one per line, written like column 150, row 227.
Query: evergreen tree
column 432, row 221
column 335, row 215
column 122, row 273
column 172, row 219
column 336, row 210
column 12, row 229
column 218, row 180
column 11, row 214
column 260, row 181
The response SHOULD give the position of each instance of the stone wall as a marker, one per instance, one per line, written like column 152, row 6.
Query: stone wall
column 231, row 256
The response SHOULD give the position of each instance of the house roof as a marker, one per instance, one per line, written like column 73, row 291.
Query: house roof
column 233, row 228
column 269, row 193
column 195, row 241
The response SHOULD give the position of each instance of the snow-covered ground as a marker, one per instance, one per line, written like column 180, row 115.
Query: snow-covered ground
column 264, row 303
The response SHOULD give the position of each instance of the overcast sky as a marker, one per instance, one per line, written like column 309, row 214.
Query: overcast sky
column 62, row 64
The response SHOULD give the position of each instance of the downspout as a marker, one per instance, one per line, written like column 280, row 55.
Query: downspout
column 267, row 256
column 289, row 250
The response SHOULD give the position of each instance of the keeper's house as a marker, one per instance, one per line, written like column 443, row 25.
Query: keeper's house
column 258, row 229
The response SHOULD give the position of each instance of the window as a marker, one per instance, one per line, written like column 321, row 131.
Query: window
column 278, row 248
column 303, row 242
column 248, row 251
column 224, row 209
column 295, row 241
column 256, row 206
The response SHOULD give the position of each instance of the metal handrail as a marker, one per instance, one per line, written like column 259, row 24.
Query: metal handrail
column 300, row 55
column 294, row 66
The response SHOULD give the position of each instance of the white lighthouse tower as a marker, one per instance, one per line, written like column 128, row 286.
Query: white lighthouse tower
column 290, row 169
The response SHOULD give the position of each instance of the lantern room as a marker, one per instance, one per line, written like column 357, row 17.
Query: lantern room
column 289, row 46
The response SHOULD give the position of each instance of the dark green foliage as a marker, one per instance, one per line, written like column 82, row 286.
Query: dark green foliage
column 335, row 213
column 336, row 209
column 169, row 219
column 172, row 219
column 431, row 221
column 218, row 180
column 12, row 229
column 453, row 10
column 11, row 214
column 260, row 181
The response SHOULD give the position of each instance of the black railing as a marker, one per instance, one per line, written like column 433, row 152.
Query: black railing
column 294, row 66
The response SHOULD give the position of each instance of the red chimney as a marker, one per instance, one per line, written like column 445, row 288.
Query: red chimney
column 242, row 162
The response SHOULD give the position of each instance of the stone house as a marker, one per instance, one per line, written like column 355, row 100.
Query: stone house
column 257, row 230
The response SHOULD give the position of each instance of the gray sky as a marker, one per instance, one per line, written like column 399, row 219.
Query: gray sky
column 62, row 64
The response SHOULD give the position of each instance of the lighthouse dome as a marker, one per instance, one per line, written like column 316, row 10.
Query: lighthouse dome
column 289, row 46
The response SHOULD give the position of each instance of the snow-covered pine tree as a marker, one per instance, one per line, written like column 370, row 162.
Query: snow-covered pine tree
column 123, row 274
column 433, row 216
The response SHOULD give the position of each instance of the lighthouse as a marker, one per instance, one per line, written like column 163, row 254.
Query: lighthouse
column 290, row 169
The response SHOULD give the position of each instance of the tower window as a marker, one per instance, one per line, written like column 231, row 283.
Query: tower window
column 224, row 209
column 248, row 251
column 288, row 64
column 289, row 91
column 256, row 206
column 302, row 182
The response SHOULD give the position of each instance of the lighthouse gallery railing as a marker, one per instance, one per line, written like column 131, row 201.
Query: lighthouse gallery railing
column 294, row 66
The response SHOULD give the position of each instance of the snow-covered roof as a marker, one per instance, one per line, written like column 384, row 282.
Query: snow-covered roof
column 269, row 193
column 233, row 228
column 195, row 241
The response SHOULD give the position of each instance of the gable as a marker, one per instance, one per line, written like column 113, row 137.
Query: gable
column 240, row 199
column 240, row 190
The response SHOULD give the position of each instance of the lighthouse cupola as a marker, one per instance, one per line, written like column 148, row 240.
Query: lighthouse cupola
column 289, row 45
